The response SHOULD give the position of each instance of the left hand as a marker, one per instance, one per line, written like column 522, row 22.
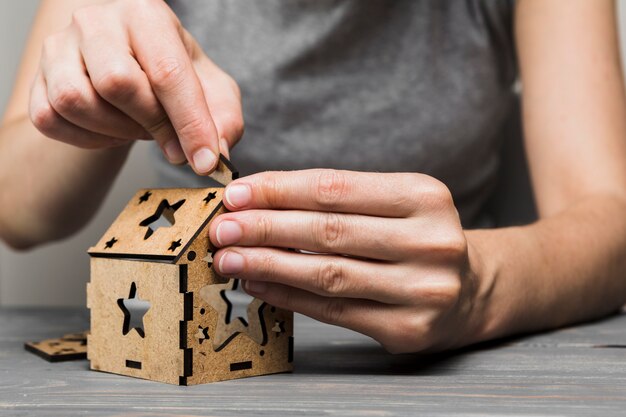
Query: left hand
column 392, row 260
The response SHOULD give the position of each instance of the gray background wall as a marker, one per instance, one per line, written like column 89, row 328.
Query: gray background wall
column 55, row 275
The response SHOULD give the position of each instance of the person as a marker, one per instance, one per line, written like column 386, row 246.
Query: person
column 396, row 106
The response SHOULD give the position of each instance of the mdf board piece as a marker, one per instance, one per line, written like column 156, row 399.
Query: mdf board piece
column 70, row 347
column 158, row 309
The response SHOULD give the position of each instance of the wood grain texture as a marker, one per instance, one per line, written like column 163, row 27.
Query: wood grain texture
column 338, row 373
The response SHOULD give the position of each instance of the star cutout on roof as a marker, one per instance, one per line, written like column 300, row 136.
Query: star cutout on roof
column 162, row 217
column 145, row 197
column 110, row 243
column 210, row 196
column 134, row 310
column 175, row 244
column 227, row 329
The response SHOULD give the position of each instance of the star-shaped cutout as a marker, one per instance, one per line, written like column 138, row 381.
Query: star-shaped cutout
column 134, row 310
column 162, row 217
column 279, row 327
column 202, row 334
column 175, row 244
column 227, row 329
column 110, row 243
column 210, row 196
column 145, row 197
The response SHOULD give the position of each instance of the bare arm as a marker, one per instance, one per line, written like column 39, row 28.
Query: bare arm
column 98, row 83
column 570, row 265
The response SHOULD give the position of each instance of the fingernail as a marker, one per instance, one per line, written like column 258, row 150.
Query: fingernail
column 173, row 152
column 230, row 263
column 238, row 195
column 204, row 160
column 228, row 232
column 256, row 287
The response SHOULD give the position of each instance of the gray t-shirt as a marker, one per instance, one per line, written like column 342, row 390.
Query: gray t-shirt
column 377, row 85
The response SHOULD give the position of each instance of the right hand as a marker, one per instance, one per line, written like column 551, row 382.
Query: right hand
column 128, row 70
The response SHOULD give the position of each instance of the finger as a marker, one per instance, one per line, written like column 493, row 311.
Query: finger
column 363, row 316
column 52, row 125
column 346, row 234
column 72, row 96
column 224, row 99
column 117, row 78
column 168, row 66
column 330, row 276
column 375, row 194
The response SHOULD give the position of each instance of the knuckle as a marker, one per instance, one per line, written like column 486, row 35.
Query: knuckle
column 435, row 194
column 43, row 118
column 167, row 73
column 158, row 123
column 451, row 246
column 409, row 334
column 235, row 124
column 329, row 231
column 116, row 84
column 270, row 190
column 444, row 292
column 333, row 311
column 441, row 289
column 193, row 127
column 330, row 188
column 264, row 230
column 67, row 98
column 267, row 265
column 331, row 278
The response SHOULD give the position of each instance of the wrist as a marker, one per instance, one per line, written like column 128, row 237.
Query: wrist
column 483, row 272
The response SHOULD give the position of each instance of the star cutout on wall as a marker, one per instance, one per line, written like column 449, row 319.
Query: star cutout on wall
column 145, row 197
column 202, row 334
column 227, row 329
column 210, row 196
column 134, row 310
column 110, row 243
column 162, row 217
column 175, row 244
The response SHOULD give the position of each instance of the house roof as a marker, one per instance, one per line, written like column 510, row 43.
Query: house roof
column 159, row 224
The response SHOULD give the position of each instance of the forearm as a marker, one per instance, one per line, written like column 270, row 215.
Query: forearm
column 49, row 189
column 560, row 270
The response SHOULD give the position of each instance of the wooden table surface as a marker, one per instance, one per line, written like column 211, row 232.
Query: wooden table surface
column 574, row 371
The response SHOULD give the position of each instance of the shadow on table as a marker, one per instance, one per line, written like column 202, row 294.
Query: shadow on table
column 374, row 360
column 364, row 357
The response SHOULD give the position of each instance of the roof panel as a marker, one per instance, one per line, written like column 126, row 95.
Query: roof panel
column 158, row 223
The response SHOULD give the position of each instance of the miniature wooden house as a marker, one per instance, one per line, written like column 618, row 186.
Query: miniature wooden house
column 187, row 335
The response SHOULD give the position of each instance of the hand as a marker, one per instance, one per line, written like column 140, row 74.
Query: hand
column 395, row 263
column 128, row 70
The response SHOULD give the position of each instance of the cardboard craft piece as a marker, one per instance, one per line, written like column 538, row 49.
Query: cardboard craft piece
column 225, row 172
column 70, row 347
column 185, row 334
